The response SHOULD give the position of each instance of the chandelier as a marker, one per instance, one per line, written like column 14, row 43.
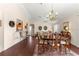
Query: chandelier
column 52, row 15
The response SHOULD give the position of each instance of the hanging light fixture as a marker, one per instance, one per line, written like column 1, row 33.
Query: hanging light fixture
column 52, row 15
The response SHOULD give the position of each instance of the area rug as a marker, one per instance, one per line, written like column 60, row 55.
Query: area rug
column 53, row 53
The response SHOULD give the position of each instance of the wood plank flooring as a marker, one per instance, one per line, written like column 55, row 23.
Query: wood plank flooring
column 24, row 48
column 75, row 49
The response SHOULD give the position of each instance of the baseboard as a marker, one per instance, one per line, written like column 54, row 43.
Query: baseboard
column 75, row 48
column 1, row 51
column 11, row 46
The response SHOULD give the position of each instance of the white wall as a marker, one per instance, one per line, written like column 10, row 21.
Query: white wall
column 12, row 12
column 74, row 29
column 43, row 23
column 1, row 29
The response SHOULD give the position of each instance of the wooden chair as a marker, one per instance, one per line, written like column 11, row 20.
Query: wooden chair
column 50, row 41
column 45, row 44
column 56, row 42
column 40, row 45
column 66, row 43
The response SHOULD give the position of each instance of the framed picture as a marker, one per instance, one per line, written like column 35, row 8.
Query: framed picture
column 40, row 27
column 66, row 26
column 26, row 25
column 45, row 27
column 19, row 25
column 11, row 23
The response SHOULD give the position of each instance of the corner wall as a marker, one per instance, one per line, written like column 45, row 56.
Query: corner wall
column 74, row 29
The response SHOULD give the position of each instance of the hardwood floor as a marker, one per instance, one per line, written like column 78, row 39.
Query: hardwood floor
column 24, row 48
column 75, row 49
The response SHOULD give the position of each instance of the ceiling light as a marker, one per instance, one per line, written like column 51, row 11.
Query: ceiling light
column 52, row 15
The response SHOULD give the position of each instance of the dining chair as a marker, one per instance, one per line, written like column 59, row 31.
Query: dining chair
column 40, row 45
column 66, row 43
column 57, row 42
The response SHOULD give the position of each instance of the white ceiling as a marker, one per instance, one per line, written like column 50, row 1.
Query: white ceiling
column 64, row 10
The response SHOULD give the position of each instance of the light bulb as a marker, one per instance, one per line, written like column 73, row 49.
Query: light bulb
column 56, row 13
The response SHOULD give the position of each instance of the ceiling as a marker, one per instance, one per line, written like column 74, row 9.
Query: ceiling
column 38, row 11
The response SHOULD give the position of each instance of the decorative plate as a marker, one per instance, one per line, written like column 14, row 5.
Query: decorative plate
column 11, row 23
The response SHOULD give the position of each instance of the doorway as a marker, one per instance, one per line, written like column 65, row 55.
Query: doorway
column 31, row 29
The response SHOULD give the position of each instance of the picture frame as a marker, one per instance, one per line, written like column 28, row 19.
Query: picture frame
column 66, row 26
column 19, row 25
column 40, row 27
column 45, row 27
column 11, row 23
column 26, row 25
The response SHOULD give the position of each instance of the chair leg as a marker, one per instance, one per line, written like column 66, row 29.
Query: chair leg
column 40, row 49
column 60, row 49
column 69, row 46
column 66, row 50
